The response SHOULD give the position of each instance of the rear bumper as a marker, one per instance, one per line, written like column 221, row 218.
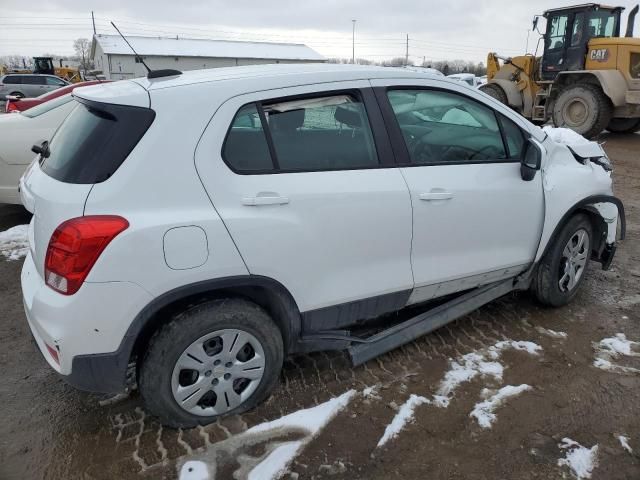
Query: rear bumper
column 86, row 329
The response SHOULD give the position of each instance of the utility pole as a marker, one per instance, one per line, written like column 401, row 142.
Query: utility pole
column 93, row 20
column 406, row 55
column 353, row 43
column 527, row 49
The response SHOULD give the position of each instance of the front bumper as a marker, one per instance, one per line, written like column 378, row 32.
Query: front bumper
column 85, row 329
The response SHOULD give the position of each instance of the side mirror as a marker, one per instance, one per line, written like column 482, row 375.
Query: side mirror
column 42, row 149
column 531, row 161
column 534, row 24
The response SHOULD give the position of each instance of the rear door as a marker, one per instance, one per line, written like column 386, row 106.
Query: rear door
column 304, row 179
column 475, row 219
column 34, row 85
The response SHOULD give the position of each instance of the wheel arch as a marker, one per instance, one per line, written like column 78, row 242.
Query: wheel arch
column 589, row 207
column 611, row 82
column 266, row 292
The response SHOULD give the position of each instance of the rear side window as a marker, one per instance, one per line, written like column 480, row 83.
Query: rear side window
column 246, row 148
column 12, row 80
column 34, row 80
column 94, row 140
column 303, row 134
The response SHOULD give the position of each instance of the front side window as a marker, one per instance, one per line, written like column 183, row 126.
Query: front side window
column 445, row 127
column 513, row 137
column 557, row 31
column 54, row 81
column 307, row 134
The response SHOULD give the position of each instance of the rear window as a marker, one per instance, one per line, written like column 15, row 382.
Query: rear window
column 94, row 140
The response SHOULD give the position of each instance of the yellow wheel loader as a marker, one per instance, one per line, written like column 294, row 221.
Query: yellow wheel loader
column 587, row 79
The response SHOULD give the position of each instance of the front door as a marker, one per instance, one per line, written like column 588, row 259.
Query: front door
column 555, row 46
column 475, row 219
column 307, row 189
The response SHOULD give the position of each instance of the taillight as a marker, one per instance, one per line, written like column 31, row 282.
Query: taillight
column 10, row 107
column 74, row 248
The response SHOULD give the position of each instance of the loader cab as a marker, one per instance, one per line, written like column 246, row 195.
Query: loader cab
column 568, row 33
column 43, row 66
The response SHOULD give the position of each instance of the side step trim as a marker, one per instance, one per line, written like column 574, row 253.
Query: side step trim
column 426, row 322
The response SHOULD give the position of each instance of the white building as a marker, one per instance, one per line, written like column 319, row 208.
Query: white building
column 116, row 60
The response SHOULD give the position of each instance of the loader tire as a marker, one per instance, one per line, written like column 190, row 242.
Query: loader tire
column 583, row 108
column 624, row 125
column 494, row 90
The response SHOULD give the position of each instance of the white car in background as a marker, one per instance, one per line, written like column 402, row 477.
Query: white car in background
column 18, row 133
column 468, row 78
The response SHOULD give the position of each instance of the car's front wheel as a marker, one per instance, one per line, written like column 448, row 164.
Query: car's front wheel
column 561, row 270
column 217, row 358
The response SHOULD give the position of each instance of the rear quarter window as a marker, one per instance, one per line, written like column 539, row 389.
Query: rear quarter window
column 12, row 80
column 94, row 140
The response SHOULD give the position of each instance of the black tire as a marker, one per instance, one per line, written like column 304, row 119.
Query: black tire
column 173, row 338
column 584, row 108
column 624, row 125
column 494, row 90
column 546, row 283
column 17, row 94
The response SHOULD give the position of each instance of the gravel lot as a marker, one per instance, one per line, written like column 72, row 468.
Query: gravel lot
column 49, row 430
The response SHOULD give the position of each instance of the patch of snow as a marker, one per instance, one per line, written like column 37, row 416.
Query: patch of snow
column 551, row 333
column 306, row 423
column 483, row 363
column 312, row 419
column 612, row 348
column 195, row 470
column 404, row 416
column 484, row 411
column 371, row 392
column 624, row 441
column 276, row 463
column 618, row 345
column 14, row 243
column 579, row 459
column 529, row 347
column 565, row 136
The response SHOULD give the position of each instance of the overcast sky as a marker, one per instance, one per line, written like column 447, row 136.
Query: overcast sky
column 454, row 29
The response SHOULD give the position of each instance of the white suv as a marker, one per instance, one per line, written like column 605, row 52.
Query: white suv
column 202, row 226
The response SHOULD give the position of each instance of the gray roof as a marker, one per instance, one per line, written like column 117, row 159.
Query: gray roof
column 190, row 47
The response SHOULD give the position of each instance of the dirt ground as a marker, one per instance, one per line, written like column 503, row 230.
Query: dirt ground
column 49, row 430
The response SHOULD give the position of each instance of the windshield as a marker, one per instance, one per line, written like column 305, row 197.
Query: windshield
column 47, row 106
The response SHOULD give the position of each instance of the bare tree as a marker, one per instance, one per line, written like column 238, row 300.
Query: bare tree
column 82, row 47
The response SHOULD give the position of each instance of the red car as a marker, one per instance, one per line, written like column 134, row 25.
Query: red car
column 15, row 104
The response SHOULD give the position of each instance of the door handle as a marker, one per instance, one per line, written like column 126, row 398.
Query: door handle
column 265, row 199
column 433, row 196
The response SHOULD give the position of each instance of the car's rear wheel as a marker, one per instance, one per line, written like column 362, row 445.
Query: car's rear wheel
column 562, row 269
column 17, row 94
column 217, row 358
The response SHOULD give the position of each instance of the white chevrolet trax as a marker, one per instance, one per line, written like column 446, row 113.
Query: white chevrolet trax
column 197, row 228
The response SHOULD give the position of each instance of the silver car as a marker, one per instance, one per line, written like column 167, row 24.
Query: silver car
column 28, row 85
